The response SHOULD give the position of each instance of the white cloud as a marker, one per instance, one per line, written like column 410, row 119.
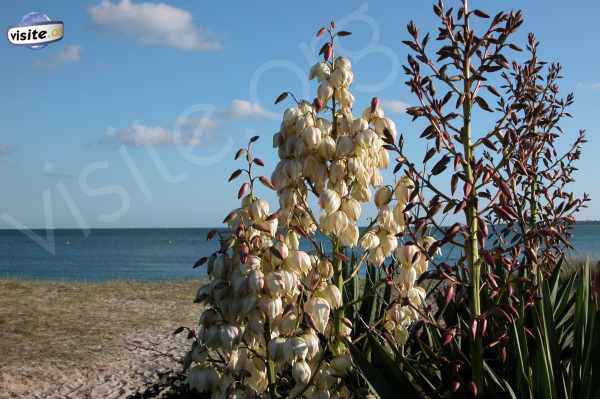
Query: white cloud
column 5, row 149
column 596, row 86
column 154, row 24
column 188, row 132
column 69, row 54
column 242, row 109
column 395, row 106
column 191, row 131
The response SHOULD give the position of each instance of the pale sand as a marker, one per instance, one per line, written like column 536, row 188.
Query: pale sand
column 80, row 340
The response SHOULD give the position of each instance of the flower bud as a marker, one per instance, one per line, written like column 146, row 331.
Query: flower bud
column 301, row 372
column 325, row 269
column 407, row 254
column 408, row 276
column 382, row 196
column 351, row 208
column 349, row 236
column 311, row 137
column 369, row 241
column 324, row 91
column 343, row 62
column 318, row 309
column 404, row 189
column 271, row 307
column 312, row 342
column 259, row 209
column 299, row 262
column 341, row 364
column 344, row 146
column 376, row 257
column 297, row 347
column 320, row 70
column 327, row 147
column 332, row 295
column 329, row 201
column 388, row 243
column 276, row 349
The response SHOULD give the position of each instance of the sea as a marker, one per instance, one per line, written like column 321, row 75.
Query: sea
column 144, row 254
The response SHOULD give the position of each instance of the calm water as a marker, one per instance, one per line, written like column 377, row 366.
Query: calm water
column 144, row 254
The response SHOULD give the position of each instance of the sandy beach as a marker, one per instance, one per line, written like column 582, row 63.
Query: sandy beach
column 91, row 340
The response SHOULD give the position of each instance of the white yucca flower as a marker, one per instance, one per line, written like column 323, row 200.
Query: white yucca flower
column 318, row 309
column 320, row 70
column 301, row 372
column 382, row 196
column 369, row 241
column 329, row 201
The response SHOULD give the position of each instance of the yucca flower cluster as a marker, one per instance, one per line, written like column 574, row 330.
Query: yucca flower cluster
column 275, row 322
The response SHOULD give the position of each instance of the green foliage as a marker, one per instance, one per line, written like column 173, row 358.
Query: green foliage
column 552, row 351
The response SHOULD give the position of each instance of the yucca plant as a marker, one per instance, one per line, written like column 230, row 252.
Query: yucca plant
column 501, row 321
column 552, row 352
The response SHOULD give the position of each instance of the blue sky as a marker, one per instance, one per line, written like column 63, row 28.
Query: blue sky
column 75, row 114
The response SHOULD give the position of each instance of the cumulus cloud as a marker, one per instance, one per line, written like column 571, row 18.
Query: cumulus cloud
column 395, row 106
column 242, row 109
column 190, row 132
column 154, row 24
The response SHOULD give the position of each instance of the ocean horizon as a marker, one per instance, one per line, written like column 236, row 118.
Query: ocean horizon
column 147, row 254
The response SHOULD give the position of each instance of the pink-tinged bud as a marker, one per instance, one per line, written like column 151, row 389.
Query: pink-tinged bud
column 244, row 251
column 510, row 290
column 328, row 52
column 321, row 31
column 450, row 294
column 484, row 327
column 474, row 328
column 232, row 215
column 449, row 336
column 473, row 387
column 244, row 190
column 318, row 104
column 240, row 230
column 258, row 161
column 503, row 354
column 332, row 25
column 266, row 182
column 374, row 104
column 455, row 386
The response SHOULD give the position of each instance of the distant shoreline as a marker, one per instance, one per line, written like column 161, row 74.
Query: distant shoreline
column 592, row 222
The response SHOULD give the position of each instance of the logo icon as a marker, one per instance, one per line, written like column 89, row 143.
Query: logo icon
column 35, row 30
